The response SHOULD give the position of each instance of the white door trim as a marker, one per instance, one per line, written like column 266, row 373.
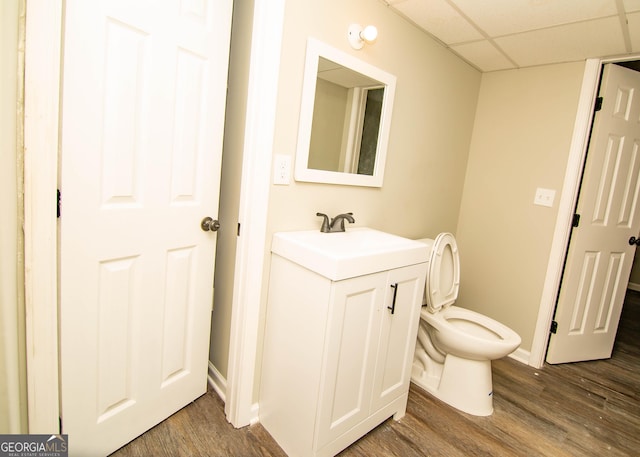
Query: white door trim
column 42, row 88
column 567, row 204
column 268, row 16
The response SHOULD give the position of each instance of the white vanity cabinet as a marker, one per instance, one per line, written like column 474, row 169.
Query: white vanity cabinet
column 337, row 354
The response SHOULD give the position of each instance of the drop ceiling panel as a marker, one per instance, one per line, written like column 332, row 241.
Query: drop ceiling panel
column 503, row 17
column 631, row 5
column 634, row 31
column 439, row 18
column 565, row 43
column 500, row 34
column 483, row 55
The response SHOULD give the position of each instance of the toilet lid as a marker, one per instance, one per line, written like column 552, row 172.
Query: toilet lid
column 443, row 278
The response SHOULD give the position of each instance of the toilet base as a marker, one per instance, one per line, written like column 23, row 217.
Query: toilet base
column 463, row 383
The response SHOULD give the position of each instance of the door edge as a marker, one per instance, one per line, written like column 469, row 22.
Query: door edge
column 41, row 105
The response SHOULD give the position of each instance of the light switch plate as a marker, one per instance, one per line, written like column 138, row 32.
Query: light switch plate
column 544, row 197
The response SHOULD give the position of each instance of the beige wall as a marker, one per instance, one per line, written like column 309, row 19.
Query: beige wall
column 521, row 140
column 13, row 416
column 430, row 133
column 230, row 184
column 430, row 130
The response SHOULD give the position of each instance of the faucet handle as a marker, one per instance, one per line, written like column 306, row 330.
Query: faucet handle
column 325, row 223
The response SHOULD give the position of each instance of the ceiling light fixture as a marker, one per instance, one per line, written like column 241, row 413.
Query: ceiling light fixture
column 358, row 36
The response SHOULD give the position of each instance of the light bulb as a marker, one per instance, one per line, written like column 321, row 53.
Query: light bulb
column 358, row 36
column 369, row 34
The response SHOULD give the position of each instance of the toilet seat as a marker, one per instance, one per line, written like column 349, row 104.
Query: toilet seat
column 443, row 277
column 474, row 336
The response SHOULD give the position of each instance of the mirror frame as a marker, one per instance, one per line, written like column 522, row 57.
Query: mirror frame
column 315, row 50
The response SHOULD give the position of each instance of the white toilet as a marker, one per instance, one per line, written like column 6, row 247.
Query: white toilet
column 455, row 345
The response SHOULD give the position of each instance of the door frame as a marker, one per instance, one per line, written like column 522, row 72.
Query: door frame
column 567, row 203
column 43, row 49
column 241, row 405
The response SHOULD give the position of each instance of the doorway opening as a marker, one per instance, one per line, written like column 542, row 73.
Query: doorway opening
column 596, row 263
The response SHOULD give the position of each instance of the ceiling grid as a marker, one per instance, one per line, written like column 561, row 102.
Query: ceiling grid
column 503, row 34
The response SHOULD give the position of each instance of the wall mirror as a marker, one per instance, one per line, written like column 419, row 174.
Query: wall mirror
column 345, row 116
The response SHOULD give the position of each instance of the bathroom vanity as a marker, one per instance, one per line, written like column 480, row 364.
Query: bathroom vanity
column 342, row 318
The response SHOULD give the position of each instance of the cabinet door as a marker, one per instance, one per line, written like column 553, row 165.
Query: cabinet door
column 349, row 355
column 398, row 334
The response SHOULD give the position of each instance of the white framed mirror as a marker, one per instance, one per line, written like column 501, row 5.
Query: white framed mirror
column 345, row 117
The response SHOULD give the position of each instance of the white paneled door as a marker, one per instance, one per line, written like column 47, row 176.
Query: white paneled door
column 601, row 251
column 144, row 88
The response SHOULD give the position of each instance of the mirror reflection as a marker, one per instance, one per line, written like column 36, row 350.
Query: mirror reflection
column 346, row 120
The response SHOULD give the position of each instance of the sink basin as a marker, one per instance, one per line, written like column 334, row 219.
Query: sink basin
column 355, row 252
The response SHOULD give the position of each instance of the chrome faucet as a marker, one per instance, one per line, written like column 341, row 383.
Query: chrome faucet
column 336, row 224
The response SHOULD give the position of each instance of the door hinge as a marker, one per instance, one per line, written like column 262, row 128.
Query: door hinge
column 554, row 327
column 598, row 105
column 58, row 201
column 576, row 220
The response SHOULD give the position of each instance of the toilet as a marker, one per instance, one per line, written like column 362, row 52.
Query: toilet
column 455, row 346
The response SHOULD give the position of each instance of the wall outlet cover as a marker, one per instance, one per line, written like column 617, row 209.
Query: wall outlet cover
column 282, row 169
column 544, row 197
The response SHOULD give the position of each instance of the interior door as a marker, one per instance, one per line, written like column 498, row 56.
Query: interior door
column 600, row 254
column 144, row 88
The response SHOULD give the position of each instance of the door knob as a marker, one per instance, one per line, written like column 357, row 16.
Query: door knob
column 633, row 240
column 209, row 224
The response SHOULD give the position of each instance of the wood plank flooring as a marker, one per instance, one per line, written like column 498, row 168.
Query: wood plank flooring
column 580, row 409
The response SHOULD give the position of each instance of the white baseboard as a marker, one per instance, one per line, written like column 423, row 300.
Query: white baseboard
column 217, row 382
column 255, row 417
column 634, row 286
column 521, row 356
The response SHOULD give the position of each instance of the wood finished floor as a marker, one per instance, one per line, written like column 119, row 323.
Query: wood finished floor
column 580, row 409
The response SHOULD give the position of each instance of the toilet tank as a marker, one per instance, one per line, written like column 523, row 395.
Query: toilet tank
column 428, row 241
